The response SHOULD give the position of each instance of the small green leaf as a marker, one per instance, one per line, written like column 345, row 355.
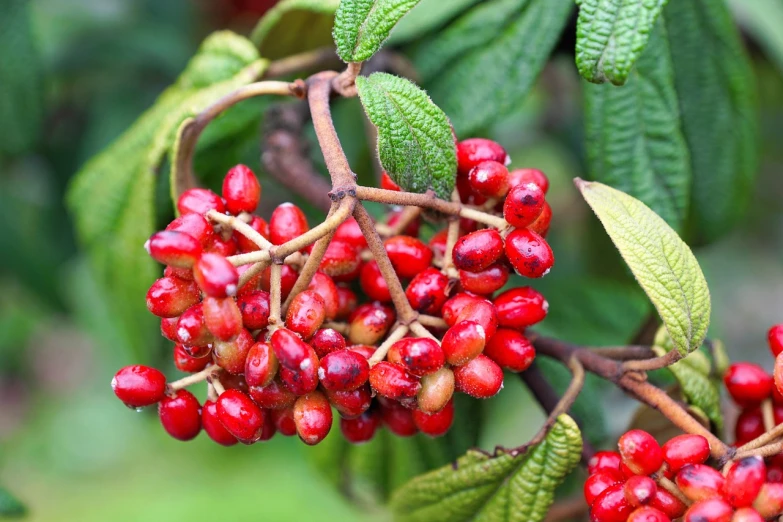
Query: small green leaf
column 415, row 143
column 295, row 26
column 10, row 506
column 505, row 487
column 633, row 135
column 361, row 26
column 492, row 54
column 611, row 35
column 21, row 77
column 662, row 263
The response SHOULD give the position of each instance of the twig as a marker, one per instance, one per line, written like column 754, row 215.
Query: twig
column 275, row 321
column 431, row 320
column 380, row 352
column 419, row 330
column 672, row 488
column 317, row 58
column 193, row 378
column 241, row 227
column 655, row 363
column 764, row 451
column 345, row 83
column 768, row 414
column 762, row 440
column 624, row 353
column 452, row 236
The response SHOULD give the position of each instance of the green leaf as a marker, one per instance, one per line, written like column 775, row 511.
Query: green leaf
column 611, row 35
column 425, row 18
column 361, row 26
column 763, row 20
column 10, row 506
column 492, row 54
column 662, row 263
column 506, row 487
column 21, row 77
column 633, row 136
column 295, row 26
column 415, row 143
column 717, row 99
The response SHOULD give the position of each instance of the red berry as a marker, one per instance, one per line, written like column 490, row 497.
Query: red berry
column 747, row 383
column 435, row 424
column 769, row 502
column 480, row 378
column 287, row 222
column 483, row 313
column 349, row 232
column 138, row 385
column 472, row 151
column 747, row 515
column 648, row 514
column 351, row 404
column 640, row 452
column 326, row 341
column 214, row 428
column 519, row 176
column 373, row 284
column 222, row 317
column 750, row 425
column 192, row 328
column 259, row 225
column 289, row 349
column 324, row 286
column 303, row 380
column 231, row 355
column 700, row 482
column 241, row 190
column 194, row 225
column 485, row 282
column 346, row 302
column 180, row 415
column 339, row 259
column 668, row 504
column 529, row 253
column 306, row 313
column 387, row 183
column 216, row 276
column 610, row 506
column 170, row 296
column 398, row 419
column 478, row 250
column 223, row 247
column 168, row 328
column 428, row 291
column 260, row 365
column 685, row 449
column 599, row 482
column 639, row 490
column 313, row 417
column 520, row 307
column 709, row 510
column 283, row 421
column 437, row 243
column 240, row 416
column 254, row 307
column 393, row 381
column 511, row 350
column 185, row 362
column 524, row 203
column 744, row 481
column 463, row 342
column 172, row 248
column 541, row 225
column 604, row 460
column 775, row 339
column 343, row 370
column 412, row 229
column 408, row 255
column 362, row 349
column 369, row 323
column 288, row 277
column 454, row 306
column 778, row 374
column 437, row 389
column 362, row 428
column 419, row 356
column 490, row 179
column 273, row 396
column 199, row 201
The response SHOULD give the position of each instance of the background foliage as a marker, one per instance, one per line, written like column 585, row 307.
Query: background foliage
column 76, row 74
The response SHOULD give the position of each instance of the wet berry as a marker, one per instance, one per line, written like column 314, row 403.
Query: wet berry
column 668, row 504
column 750, row 425
column 747, row 515
column 170, row 296
column 437, row 389
column 481, row 312
column 648, row 514
column 744, row 480
column 185, row 362
column 541, row 224
column 241, row 190
column 472, row 151
column 398, row 419
column 604, row 460
column 351, row 404
column 349, row 232
column 362, row 428
column 194, row 225
column 260, row 365
column 520, row 307
column 478, row 250
column 346, row 302
column 240, row 416
column 640, row 452
column 259, row 225
column 214, row 428
column 419, row 356
column 313, row 417
column 339, row 259
column 373, row 284
column 639, row 490
column 254, row 307
column 393, row 381
column 463, row 342
column 599, row 482
column 138, row 385
column 174, row 248
column 284, row 421
column 273, row 396
column 435, row 424
column 709, row 510
column 387, row 183
column 523, row 204
column 775, row 339
column 326, row 341
column 289, row 349
column 747, row 383
column 511, row 350
column 192, row 328
column 408, row 255
column 610, row 506
column 222, row 317
column 521, row 176
column 199, row 201
column 303, row 380
column 486, row 281
column 287, row 222
column 490, row 179
column 428, row 291
column 180, row 415
column 216, row 276
column 343, row 370
column 529, row 253
column 369, row 323
column 231, row 355
column 700, row 482
column 481, row 377
column 769, row 502
column 685, row 449
column 306, row 313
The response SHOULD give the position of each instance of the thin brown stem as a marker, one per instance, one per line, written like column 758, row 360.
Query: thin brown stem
column 275, row 321
column 768, row 415
column 408, row 216
column 769, row 450
column 345, row 83
column 762, row 440
column 419, row 330
column 452, row 235
column 380, row 352
column 624, row 353
column 214, row 380
column 279, row 253
column 193, row 378
column 241, row 227
column 306, row 61
column 655, row 363
column 672, row 488
column 433, row 321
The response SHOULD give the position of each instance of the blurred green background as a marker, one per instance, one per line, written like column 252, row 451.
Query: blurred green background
column 70, row 451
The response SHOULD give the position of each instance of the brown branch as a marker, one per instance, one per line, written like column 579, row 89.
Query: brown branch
column 762, row 440
column 655, row 363
column 320, row 58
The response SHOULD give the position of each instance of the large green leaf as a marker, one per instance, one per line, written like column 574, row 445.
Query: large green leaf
column 295, row 26
column 482, row 65
column 415, row 143
column 634, row 140
column 21, row 78
column 506, row 487
column 662, row 263
column 426, row 17
column 717, row 100
column 611, row 35
column 10, row 506
column 762, row 19
column 361, row 26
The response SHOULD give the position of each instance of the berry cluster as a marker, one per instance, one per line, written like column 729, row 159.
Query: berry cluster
column 651, row 483
column 274, row 368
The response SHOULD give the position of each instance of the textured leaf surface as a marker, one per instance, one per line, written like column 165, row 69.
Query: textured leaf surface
column 633, row 136
column 717, row 100
column 21, row 78
column 415, row 144
column 611, row 35
column 361, row 26
column 662, row 263
column 295, row 26
column 492, row 54
column 500, row 488
column 10, row 506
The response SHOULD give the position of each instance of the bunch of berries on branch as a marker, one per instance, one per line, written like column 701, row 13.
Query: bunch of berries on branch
column 281, row 346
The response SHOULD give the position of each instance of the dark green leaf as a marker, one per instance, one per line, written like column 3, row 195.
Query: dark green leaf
column 506, row 487
column 361, row 26
column 611, row 35
column 717, row 100
column 415, row 143
column 634, row 140
column 492, row 54
column 21, row 78
column 295, row 26
column 10, row 506
column 426, row 17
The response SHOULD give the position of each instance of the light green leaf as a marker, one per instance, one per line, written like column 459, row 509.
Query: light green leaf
column 662, row 263
column 10, row 506
column 492, row 54
column 717, row 100
column 426, row 17
column 21, row 78
column 295, row 26
column 507, row 487
column 633, row 136
column 611, row 35
column 415, row 143
column 763, row 20
column 361, row 26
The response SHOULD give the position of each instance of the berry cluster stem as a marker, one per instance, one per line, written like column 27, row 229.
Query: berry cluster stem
column 380, row 352
column 275, row 288
column 194, row 378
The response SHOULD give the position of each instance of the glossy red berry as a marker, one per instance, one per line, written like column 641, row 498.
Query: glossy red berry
column 194, row 225
column 775, row 339
column 180, row 415
column 273, row 396
column 324, row 286
column 411, row 230
column 747, row 515
column 428, row 291
column 521, row 176
column 437, row 243
column 750, row 425
column 231, row 355
column 529, row 253
column 744, row 480
column 511, row 350
column 168, row 328
column 435, row 424
column 769, row 502
column 223, row 247
column 463, row 342
column 187, row 363
column 668, row 504
column 520, row 307
column 170, row 296
column 303, row 380
column 418, row 355
column 456, row 304
column 216, row 276
column 709, row 510
column 289, row 349
column 408, row 255
column 349, row 232
column 611, row 506
column 306, row 313
column 351, row 404
column 437, row 389
column 327, row 340
column 393, row 381
column 260, row 365
column 748, row 383
column 254, row 307
column 686, row 449
column 599, row 482
column 240, row 416
column 343, row 370
column 490, row 179
column 523, row 204
column 604, row 460
column 639, row 490
column 222, row 317
column 700, row 482
column 369, row 323
column 481, row 312
column 541, row 225
column 214, row 428
column 287, row 222
column 481, row 377
column 313, row 417
column 346, row 302
column 472, row 151
column 362, row 428
column 173, row 248
column 478, row 250
column 138, row 385
column 398, row 419
column 486, row 281
column 373, row 284
column 387, row 183
column 192, row 328
column 339, row 259
column 640, row 452
column 777, row 374
column 241, row 190
column 647, row 514
column 258, row 224
column 199, row 201
column 284, row 421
